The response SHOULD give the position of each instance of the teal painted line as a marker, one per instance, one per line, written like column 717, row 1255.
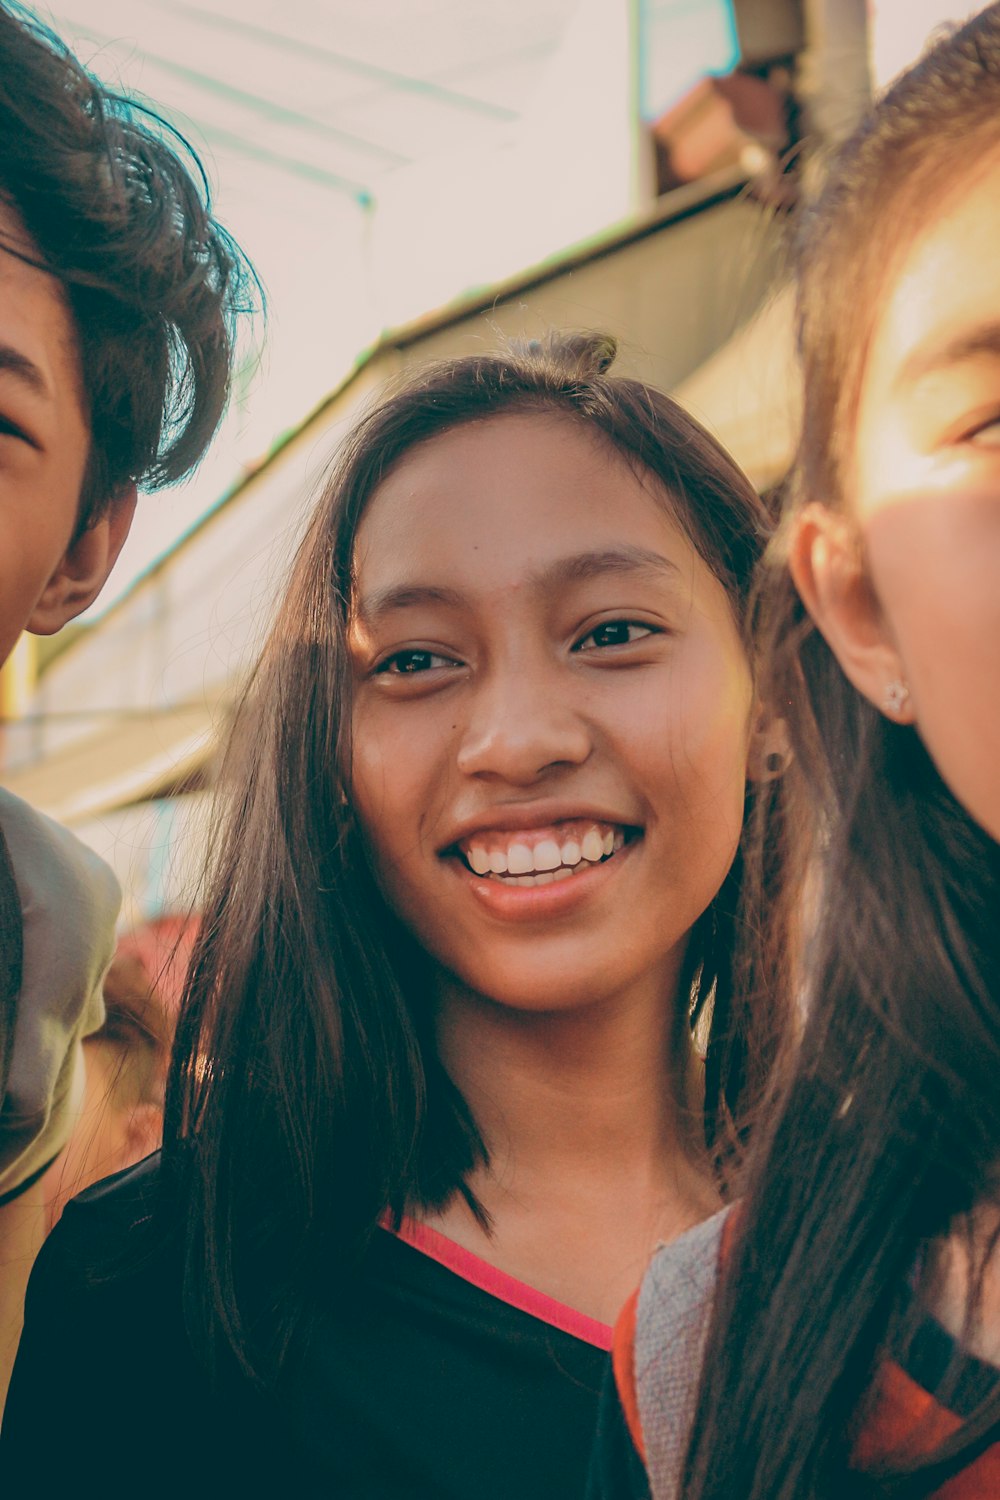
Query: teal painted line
column 278, row 113
column 319, row 175
column 356, row 190
column 402, row 81
column 160, row 857
column 652, row 14
column 672, row 8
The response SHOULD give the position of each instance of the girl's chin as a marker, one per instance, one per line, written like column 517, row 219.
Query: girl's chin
column 534, row 996
column 569, row 980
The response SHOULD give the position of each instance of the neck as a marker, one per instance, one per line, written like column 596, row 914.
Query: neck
column 592, row 1118
column 579, row 1085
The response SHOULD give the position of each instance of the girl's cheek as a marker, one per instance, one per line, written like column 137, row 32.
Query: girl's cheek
column 935, row 562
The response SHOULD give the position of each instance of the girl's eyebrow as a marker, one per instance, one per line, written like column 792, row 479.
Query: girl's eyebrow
column 399, row 596
column 930, row 359
column 13, row 362
column 626, row 558
column 579, row 568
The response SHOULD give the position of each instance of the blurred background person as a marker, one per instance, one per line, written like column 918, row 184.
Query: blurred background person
column 120, row 1118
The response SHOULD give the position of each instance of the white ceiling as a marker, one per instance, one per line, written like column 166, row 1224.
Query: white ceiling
column 336, row 92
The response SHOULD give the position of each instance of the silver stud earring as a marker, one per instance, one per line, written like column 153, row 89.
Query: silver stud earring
column 897, row 696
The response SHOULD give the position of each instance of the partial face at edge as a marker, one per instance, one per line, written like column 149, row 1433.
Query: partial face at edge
column 927, row 487
column 551, row 715
column 46, row 576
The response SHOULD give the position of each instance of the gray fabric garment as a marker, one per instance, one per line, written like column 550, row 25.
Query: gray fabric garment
column 69, row 904
column 672, row 1316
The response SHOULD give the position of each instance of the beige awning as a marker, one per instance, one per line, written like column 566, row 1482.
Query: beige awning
column 127, row 759
column 747, row 393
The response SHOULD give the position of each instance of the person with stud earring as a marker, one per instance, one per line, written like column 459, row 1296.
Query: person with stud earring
column 837, row 1331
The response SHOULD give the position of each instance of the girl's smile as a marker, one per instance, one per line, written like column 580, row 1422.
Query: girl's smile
column 551, row 712
column 541, row 871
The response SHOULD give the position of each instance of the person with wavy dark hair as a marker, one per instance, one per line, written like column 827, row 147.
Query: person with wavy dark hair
column 477, row 898
column 101, row 196
column 119, row 298
column 854, row 1345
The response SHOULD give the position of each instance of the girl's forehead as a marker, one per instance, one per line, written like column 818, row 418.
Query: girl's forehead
column 946, row 281
column 502, row 496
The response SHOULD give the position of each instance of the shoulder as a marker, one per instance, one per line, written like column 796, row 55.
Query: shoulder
column 679, row 1286
column 105, row 1349
column 106, row 1292
column 51, row 864
column 112, row 1265
column 112, row 1243
column 68, row 902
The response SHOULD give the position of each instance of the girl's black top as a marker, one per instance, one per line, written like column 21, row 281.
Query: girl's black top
column 417, row 1383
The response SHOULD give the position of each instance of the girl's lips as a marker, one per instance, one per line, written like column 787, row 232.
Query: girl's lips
column 539, row 903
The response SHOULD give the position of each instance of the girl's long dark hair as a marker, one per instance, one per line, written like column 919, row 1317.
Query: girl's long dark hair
column 888, row 1134
column 306, row 1100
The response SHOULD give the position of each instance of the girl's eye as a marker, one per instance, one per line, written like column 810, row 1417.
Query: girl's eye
column 987, row 436
column 615, row 633
column 11, row 429
column 408, row 663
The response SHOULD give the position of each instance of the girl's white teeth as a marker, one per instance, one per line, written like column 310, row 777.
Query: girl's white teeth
column 519, row 860
column 547, row 861
column 592, row 846
column 548, row 855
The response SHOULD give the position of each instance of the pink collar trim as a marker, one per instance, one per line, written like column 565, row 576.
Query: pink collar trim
column 478, row 1272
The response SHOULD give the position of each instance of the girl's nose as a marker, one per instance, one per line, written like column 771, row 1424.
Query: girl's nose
column 520, row 727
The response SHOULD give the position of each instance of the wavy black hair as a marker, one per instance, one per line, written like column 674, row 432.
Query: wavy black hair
column 116, row 206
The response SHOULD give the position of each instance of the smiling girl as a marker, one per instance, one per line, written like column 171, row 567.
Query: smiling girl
column 436, row 1094
column 855, row 1343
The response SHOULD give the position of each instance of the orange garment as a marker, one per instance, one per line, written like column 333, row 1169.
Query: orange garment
column 905, row 1421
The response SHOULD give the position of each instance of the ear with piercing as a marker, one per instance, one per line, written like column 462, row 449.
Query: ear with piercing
column 896, row 699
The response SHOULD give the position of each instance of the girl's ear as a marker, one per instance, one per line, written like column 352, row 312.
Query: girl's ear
column 827, row 568
column 84, row 567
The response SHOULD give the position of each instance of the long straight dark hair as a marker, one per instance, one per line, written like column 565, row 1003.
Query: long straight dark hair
column 306, row 1100
column 888, row 1134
